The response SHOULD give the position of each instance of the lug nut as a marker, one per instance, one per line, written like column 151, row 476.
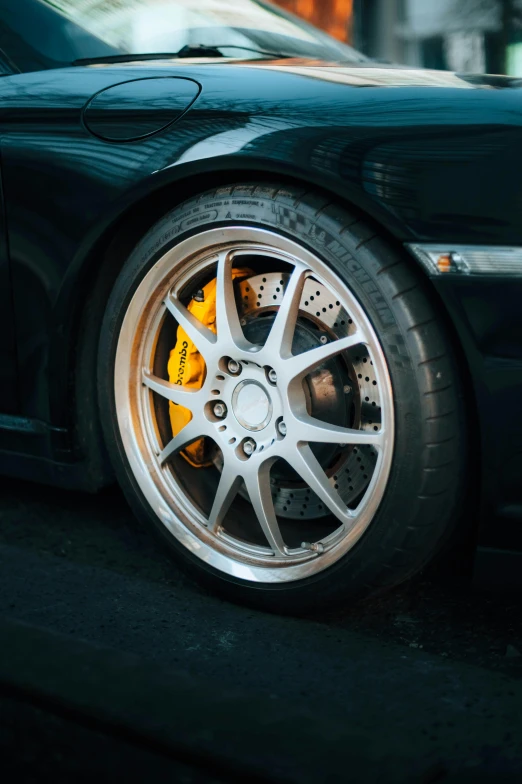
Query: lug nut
column 282, row 428
column 347, row 389
column 323, row 339
column 220, row 410
column 272, row 376
column 249, row 447
column 233, row 366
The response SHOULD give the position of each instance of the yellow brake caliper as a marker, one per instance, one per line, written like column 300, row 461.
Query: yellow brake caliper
column 186, row 366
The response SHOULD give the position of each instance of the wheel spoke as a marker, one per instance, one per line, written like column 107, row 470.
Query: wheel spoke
column 186, row 436
column 226, row 492
column 174, row 392
column 202, row 336
column 258, row 487
column 310, row 470
column 301, row 364
column 281, row 335
column 315, row 431
column 229, row 331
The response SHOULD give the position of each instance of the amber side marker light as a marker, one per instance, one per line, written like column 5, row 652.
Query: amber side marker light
column 468, row 260
column 444, row 263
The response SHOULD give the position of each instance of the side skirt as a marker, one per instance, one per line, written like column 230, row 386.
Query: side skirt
column 33, row 450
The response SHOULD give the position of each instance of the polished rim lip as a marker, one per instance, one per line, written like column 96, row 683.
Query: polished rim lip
column 187, row 524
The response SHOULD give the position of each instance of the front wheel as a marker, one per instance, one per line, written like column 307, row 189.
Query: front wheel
column 280, row 400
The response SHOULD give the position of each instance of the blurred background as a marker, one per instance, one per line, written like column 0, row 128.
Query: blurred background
column 481, row 36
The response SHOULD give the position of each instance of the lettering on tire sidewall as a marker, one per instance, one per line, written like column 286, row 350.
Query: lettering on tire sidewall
column 297, row 224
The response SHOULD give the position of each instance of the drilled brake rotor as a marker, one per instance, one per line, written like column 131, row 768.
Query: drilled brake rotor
column 351, row 470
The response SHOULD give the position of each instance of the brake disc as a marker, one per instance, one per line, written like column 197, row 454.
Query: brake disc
column 351, row 472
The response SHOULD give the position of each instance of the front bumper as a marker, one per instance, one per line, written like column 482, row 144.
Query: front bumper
column 481, row 290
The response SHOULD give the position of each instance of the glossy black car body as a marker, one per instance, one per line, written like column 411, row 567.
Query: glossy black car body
column 92, row 155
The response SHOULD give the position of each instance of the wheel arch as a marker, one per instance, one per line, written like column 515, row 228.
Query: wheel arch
column 99, row 266
column 134, row 214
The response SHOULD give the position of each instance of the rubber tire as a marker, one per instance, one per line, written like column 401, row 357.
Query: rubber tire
column 428, row 474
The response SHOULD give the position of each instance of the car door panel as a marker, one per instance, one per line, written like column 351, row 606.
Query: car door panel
column 8, row 385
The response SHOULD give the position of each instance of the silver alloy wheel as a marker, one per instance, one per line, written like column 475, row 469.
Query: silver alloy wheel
column 273, row 415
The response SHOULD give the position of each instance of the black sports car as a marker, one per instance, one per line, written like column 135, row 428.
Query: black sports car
column 272, row 287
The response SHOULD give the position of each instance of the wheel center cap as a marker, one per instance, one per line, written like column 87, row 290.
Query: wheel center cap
column 251, row 405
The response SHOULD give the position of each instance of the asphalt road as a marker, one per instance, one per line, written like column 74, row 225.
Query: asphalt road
column 429, row 675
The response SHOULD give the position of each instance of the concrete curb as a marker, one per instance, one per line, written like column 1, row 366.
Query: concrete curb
column 79, row 704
